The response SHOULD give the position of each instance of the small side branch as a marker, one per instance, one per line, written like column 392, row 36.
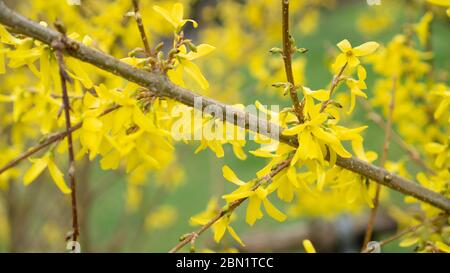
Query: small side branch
column 407, row 231
column 58, row 45
column 287, row 58
column 334, row 83
column 191, row 237
column 53, row 138
column 137, row 16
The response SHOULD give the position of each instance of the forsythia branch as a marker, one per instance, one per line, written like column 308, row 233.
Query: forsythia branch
column 53, row 138
column 287, row 58
column 160, row 84
column 334, row 84
column 407, row 231
column 58, row 45
column 230, row 208
column 137, row 16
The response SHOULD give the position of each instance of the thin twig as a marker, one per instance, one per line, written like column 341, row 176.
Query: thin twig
column 159, row 84
column 230, row 208
column 137, row 16
column 58, row 45
column 287, row 58
column 384, row 156
column 334, row 83
column 53, row 138
column 406, row 231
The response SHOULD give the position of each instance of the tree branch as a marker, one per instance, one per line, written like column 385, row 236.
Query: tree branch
column 53, row 138
column 334, row 83
column 160, row 85
column 230, row 208
column 287, row 58
column 407, row 231
column 58, row 45
column 137, row 16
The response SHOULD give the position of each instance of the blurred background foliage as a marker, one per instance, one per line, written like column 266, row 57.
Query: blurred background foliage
column 152, row 215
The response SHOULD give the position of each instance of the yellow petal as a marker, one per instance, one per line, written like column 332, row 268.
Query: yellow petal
column 194, row 71
column 164, row 13
column 292, row 176
column 92, row 124
column 219, row 229
column 202, row 50
column 141, row 119
column 352, row 103
column 444, row 3
column 239, row 152
column 434, row 148
column 409, row 242
column 58, row 177
column 353, row 61
column 309, row 248
column 253, row 210
column 7, row 38
column 441, row 108
column 443, row 247
column 238, row 195
column 217, row 148
column 261, row 193
column 365, row 49
column 273, row 211
column 177, row 12
column 235, row 236
column 294, row 130
column 324, row 135
column 344, row 45
column 340, row 61
column 176, row 76
column 264, row 171
column 361, row 73
column 340, row 150
column 35, row 170
column 321, row 94
column 229, row 175
column 77, row 68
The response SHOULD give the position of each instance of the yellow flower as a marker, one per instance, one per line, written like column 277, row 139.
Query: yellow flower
column 220, row 226
column 311, row 134
column 410, row 241
column 350, row 55
column 356, row 86
column 423, row 28
column 184, row 64
column 39, row 165
column 444, row 95
column 309, row 248
column 441, row 151
column 175, row 17
column 255, row 198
